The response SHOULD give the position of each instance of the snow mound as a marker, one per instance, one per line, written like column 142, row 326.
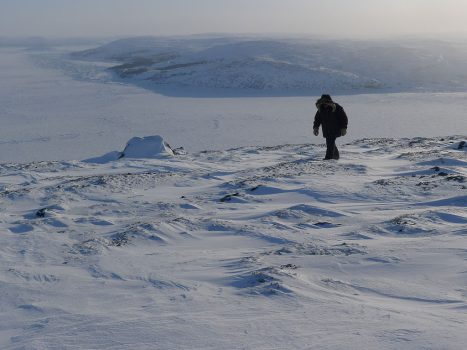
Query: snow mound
column 137, row 147
column 147, row 147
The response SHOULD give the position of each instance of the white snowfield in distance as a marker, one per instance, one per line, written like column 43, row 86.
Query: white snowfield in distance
column 250, row 248
column 287, row 65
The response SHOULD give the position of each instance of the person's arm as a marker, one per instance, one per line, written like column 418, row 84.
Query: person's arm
column 317, row 122
column 344, row 121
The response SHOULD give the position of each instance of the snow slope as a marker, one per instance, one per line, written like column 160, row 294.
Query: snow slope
column 248, row 248
column 286, row 65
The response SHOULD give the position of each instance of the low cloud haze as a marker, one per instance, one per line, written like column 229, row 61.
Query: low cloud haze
column 341, row 18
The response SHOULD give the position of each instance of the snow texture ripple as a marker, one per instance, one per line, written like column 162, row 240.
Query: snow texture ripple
column 248, row 248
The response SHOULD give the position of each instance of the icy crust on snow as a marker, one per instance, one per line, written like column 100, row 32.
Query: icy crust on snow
column 249, row 248
column 138, row 147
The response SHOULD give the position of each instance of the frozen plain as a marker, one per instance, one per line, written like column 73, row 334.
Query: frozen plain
column 248, row 248
column 49, row 115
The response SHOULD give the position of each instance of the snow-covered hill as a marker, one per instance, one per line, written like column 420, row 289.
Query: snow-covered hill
column 287, row 64
column 250, row 248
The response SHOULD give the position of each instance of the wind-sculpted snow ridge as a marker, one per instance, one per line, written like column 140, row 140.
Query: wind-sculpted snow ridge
column 249, row 248
column 284, row 65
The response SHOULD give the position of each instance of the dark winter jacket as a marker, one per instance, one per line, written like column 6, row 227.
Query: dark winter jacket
column 332, row 120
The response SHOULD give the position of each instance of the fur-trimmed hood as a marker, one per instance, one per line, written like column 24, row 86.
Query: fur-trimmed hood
column 326, row 100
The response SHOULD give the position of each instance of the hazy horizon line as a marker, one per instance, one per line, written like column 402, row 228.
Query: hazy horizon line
column 435, row 36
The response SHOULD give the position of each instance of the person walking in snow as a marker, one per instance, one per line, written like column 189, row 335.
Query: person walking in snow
column 331, row 116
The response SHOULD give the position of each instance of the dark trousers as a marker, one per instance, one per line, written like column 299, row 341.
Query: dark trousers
column 331, row 149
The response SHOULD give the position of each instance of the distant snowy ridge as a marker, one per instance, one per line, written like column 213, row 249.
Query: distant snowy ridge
column 286, row 64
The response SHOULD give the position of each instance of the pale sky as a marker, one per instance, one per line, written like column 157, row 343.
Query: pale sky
column 341, row 18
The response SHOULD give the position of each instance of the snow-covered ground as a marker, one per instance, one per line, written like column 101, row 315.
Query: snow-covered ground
column 255, row 243
column 249, row 248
